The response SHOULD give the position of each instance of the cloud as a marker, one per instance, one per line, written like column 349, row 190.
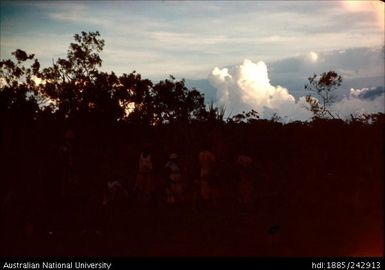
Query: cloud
column 367, row 93
column 76, row 17
column 359, row 67
column 361, row 101
column 247, row 86
column 79, row 13
column 186, row 32
column 374, row 8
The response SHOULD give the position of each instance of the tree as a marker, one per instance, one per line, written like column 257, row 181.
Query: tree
column 172, row 101
column 19, row 96
column 71, row 82
column 75, row 88
column 213, row 114
column 83, row 58
column 324, row 86
column 135, row 96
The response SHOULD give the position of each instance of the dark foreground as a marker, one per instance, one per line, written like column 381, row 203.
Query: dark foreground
column 270, row 228
column 319, row 191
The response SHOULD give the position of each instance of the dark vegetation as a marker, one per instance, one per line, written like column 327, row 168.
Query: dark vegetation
column 318, row 185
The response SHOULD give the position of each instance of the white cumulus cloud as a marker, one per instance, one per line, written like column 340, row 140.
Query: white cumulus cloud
column 247, row 86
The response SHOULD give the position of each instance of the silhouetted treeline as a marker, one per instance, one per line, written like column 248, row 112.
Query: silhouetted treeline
column 74, row 88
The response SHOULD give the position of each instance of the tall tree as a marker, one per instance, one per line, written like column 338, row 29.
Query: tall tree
column 173, row 101
column 324, row 86
column 69, row 81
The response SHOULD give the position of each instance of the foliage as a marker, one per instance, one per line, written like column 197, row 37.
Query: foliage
column 75, row 88
column 324, row 86
column 248, row 117
column 213, row 114
column 18, row 92
column 172, row 101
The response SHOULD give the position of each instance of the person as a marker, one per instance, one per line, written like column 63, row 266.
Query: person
column 144, row 185
column 207, row 163
column 175, row 186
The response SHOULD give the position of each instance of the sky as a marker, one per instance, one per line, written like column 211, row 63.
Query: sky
column 238, row 53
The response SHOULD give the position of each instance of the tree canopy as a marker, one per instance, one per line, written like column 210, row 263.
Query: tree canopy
column 74, row 87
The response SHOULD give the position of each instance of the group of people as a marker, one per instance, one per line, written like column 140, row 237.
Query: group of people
column 180, row 181
column 198, row 178
column 79, row 191
column 201, row 178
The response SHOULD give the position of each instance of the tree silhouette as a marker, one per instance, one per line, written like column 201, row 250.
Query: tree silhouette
column 324, row 86
column 75, row 88
column 135, row 96
column 18, row 93
column 83, row 58
column 73, row 82
column 172, row 102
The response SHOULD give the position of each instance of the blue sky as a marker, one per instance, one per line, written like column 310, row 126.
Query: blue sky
column 189, row 39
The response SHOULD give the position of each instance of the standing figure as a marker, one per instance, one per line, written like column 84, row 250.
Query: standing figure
column 144, row 185
column 175, row 186
column 207, row 174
